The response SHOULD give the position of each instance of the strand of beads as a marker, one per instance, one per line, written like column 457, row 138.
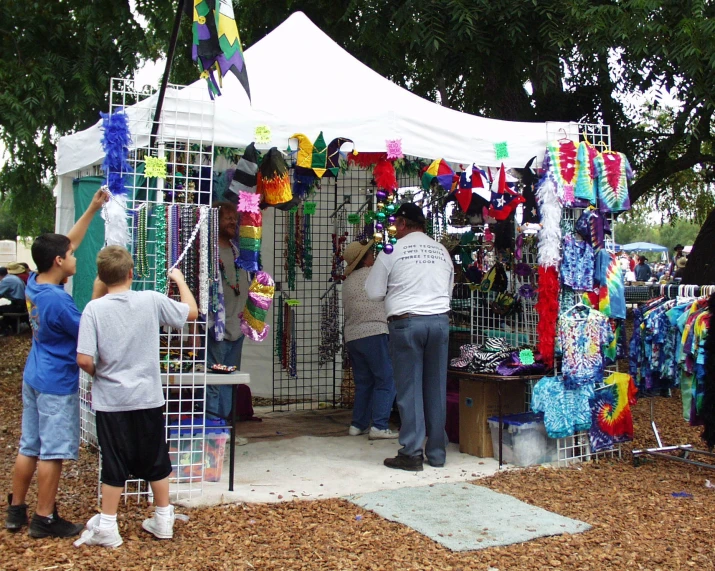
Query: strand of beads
column 385, row 229
column 142, row 265
column 203, row 260
column 160, row 264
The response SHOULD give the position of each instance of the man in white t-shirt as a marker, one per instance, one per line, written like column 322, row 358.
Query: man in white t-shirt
column 416, row 281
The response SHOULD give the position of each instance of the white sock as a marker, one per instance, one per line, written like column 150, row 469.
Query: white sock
column 164, row 512
column 107, row 521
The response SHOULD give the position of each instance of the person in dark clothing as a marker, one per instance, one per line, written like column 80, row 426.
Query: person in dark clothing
column 642, row 271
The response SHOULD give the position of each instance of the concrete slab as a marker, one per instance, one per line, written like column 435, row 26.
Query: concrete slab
column 465, row 517
column 313, row 467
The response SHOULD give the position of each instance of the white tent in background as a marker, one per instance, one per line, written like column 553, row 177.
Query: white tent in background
column 342, row 98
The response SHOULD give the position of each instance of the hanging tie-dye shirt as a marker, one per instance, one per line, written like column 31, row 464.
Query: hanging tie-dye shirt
column 582, row 335
column 577, row 264
column 612, row 421
column 614, row 171
column 565, row 411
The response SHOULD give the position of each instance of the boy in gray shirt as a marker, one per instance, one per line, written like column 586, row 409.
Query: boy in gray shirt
column 121, row 327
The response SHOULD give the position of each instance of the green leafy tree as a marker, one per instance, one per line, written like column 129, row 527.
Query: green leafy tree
column 507, row 59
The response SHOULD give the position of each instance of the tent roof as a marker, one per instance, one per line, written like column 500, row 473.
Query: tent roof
column 341, row 97
column 643, row 247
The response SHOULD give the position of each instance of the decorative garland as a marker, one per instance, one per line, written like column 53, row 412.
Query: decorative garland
column 116, row 139
column 339, row 236
column 308, row 212
column 290, row 257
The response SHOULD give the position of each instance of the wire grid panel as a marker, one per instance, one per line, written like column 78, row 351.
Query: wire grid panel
column 185, row 141
column 88, row 422
column 577, row 448
column 309, row 357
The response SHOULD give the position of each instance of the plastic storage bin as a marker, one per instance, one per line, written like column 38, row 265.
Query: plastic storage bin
column 193, row 460
column 214, row 452
column 524, row 440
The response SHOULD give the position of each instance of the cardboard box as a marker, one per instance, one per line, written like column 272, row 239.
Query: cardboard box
column 478, row 400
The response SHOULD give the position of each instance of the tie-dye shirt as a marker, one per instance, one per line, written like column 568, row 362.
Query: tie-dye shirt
column 583, row 334
column 565, row 411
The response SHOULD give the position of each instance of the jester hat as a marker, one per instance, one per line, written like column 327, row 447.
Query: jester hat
column 244, row 177
column 273, row 180
column 318, row 159
column 505, row 200
column 440, row 172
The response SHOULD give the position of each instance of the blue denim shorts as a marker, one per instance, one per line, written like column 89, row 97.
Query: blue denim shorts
column 50, row 425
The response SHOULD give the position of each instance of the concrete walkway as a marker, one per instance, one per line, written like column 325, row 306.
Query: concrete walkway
column 278, row 464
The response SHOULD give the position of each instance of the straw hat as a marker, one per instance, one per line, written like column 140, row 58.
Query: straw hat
column 681, row 262
column 15, row 268
column 354, row 252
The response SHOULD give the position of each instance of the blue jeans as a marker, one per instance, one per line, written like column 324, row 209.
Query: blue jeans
column 419, row 347
column 219, row 397
column 374, row 383
column 50, row 425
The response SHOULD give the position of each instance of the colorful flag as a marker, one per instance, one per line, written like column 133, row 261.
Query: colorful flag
column 216, row 44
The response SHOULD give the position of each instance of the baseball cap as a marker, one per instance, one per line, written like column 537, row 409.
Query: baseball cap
column 412, row 212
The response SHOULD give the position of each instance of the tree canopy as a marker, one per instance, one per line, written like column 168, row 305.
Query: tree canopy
column 592, row 61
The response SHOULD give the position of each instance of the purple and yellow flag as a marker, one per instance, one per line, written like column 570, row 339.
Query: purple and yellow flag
column 216, row 44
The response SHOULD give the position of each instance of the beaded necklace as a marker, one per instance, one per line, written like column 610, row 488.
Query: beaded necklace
column 142, row 264
column 237, row 286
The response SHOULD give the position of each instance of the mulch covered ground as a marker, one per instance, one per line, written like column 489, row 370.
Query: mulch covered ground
column 638, row 522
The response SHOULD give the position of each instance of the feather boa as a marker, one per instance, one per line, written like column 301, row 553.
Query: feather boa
column 365, row 160
column 384, row 175
column 547, row 307
column 116, row 228
column 550, row 233
column 115, row 142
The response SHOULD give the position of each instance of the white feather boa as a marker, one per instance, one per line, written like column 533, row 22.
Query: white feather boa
column 550, row 233
column 116, row 228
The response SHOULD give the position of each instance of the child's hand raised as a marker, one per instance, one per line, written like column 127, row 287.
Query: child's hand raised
column 176, row 275
column 98, row 200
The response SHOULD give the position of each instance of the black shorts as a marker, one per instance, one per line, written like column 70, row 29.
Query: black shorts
column 133, row 443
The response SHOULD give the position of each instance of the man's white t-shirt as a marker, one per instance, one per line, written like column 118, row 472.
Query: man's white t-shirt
column 416, row 278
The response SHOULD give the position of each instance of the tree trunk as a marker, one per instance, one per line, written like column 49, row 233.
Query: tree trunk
column 700, row 269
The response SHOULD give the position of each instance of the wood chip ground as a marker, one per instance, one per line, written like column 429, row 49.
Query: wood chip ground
column 637, row 522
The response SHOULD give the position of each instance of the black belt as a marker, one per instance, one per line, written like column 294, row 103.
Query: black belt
column 410, row 315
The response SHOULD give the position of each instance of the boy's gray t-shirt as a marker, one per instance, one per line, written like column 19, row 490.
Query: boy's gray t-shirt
column 122, row 331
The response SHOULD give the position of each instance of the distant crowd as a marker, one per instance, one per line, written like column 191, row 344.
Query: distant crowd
column 636, row 268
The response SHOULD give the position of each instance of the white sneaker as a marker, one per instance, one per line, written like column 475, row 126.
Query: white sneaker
column 355, row 431
column 102, row 537
column 387, row 434
column 162, row 527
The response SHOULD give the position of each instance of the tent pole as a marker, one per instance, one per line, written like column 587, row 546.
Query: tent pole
column 167, row 71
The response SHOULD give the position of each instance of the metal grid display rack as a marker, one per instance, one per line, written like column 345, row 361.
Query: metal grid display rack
column 310, row 362
column 187, row 192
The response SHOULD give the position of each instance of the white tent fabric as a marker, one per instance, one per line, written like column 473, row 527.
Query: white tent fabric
column 350, row 100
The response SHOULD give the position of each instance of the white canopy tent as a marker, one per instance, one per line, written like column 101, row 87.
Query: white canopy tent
column 354, row 102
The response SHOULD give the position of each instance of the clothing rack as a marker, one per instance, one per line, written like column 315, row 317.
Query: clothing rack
column 681, row 452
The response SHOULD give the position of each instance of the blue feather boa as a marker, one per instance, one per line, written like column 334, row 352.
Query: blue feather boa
column 115, row 142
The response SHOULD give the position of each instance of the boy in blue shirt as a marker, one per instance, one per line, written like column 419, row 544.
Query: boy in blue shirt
column 50, row 388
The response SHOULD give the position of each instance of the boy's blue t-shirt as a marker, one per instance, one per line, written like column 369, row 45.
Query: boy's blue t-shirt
column 52, row 364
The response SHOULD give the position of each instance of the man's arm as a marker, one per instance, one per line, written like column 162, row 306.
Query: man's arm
column 376, row 283
column 86, row 363
column 76, row 234
column 185, row 294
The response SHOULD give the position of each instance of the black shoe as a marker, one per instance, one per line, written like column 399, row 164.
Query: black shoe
column 402, row 462
column 16, row 515
column 435, row 464
column 53, row 526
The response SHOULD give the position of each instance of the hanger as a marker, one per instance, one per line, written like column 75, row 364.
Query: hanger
column 603, row 145
column 577, row 305
column 565, row 138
